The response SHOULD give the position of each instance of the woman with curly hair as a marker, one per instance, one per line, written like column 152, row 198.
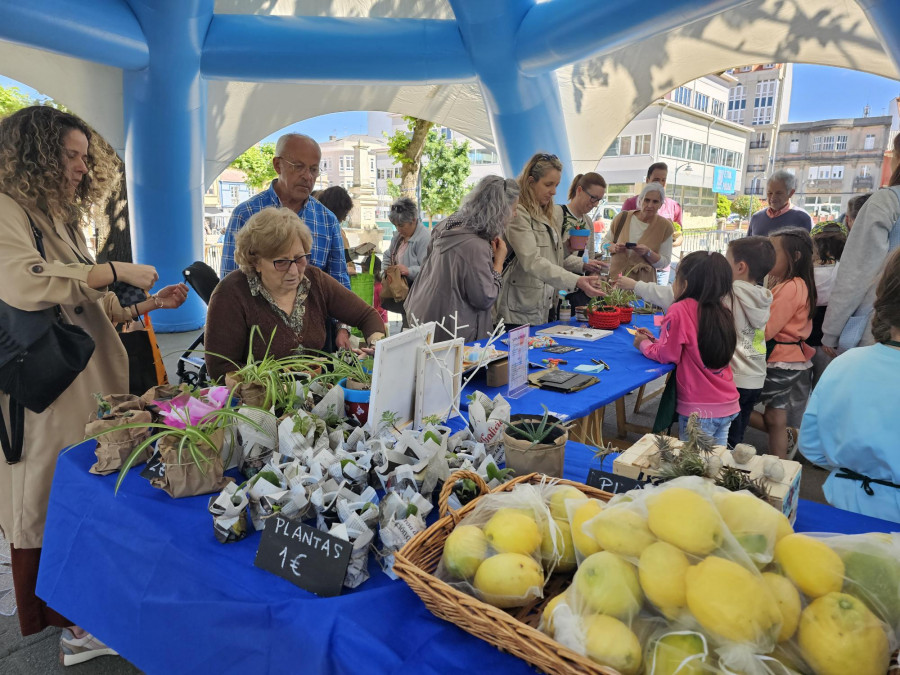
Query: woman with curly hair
column 50, row 175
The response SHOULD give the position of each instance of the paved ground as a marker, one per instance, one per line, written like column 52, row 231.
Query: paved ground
column 38, row 654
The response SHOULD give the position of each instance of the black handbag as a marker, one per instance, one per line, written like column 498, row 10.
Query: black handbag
column 127, row 294
column 40, row 357
column 141, row 361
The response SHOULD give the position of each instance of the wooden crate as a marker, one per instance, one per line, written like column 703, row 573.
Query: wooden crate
column 784, row 495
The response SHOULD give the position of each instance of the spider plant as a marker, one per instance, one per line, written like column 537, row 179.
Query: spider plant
column 191, row 439
column 534, row 430
column 347, row 365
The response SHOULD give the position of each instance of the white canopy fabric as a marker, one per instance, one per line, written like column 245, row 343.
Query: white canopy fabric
column 599, row 95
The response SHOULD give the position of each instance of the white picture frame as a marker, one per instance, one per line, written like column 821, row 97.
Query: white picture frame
column 438, row 380
column 394, row 375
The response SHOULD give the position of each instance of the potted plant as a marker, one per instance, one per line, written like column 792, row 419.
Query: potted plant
column 578, row 239
column 535, row 444
column 622, row 300
column 354, row 375
column 602, row 314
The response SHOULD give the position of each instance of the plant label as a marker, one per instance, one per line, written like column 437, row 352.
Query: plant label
column 518, row 362
column 154, row 468
column 309, row 558
column 615, row 484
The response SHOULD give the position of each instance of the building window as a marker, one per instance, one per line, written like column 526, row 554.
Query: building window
column 718, row 108
column 379, row 174
column 840, row 143
column 682, row 95
column 864, row 171
column 824, row 173
column 817, row 143
column 235, row 194
column 642, row 144
column 794, row 145
column 737, row 103
column 837, row 172
column 828, row 143
column 764, row 103
column 715, row 156
column 341, row 162
column 870, row 142
column 372, row 164
column 696, row 151
column 768, row 66
column 813, row 173
column 613, row 149
column 701, row 102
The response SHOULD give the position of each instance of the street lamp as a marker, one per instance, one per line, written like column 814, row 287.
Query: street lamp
column 688, row 168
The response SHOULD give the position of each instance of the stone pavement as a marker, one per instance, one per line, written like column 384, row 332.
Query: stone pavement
column 39, row 654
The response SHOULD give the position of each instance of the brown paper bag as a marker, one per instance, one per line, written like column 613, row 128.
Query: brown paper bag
column 185, row 478
column 396, row 283
column 546, row 458
column 252, row 394
column 114, row 447
column 120, row 403
column 162, row 392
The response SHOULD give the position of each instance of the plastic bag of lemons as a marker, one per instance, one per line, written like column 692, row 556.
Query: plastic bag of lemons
column 723, row 571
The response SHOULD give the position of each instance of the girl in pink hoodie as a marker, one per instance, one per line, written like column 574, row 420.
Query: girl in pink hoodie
column 699, row 337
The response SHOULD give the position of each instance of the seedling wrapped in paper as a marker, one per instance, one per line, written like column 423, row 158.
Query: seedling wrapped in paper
column 115, row 443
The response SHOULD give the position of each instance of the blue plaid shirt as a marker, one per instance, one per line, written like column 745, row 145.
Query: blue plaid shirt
column 328, row 247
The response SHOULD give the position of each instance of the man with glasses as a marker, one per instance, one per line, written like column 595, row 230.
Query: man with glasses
column 296, row 162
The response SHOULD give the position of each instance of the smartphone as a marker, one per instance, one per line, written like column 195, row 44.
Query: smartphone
column 630, row 244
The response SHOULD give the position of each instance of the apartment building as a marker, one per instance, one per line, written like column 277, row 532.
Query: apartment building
column 833, row 160
column 760, row 98
column 689, row 130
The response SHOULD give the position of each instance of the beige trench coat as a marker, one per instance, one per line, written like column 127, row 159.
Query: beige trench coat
column 31, row 283
column 531, row 281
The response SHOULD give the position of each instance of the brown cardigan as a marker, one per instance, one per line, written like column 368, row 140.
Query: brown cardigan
column 233, row 311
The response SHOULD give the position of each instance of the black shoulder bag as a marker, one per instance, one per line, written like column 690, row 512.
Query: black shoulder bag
column 40, row 357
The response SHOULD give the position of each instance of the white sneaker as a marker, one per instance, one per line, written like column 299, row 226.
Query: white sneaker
column 74, row 650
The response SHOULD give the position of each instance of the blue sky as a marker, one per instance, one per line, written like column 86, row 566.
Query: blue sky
column 819, row 92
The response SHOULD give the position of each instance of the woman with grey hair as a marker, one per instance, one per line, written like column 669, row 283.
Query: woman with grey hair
column 408, row 247
column 461, row 275
column 640, row 242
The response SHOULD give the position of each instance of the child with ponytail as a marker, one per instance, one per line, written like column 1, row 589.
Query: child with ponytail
column 699, row 337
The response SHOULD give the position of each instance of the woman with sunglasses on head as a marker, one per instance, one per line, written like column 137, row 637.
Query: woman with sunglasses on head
column 538, row 269
column 276, row 289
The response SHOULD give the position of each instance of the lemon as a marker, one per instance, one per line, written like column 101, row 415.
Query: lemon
column 564, row 558
column 661, row 572
column 788, row 600
column 558, row 498
column 813, row 567
column 607, row 584
column 621, row 530
column 584, row 543
column 509, row 579
column 464, row 550
column 611, row 643
column 512, row 531
column 685, row 519
column 547, row 614
column 730, row 601
column 668, row 655
column 756, row 524
column 839, row 635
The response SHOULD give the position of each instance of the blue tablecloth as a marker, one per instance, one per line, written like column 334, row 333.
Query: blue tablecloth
column 144, row 572
column 629, row 369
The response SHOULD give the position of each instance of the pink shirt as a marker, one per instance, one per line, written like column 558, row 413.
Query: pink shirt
column 774, row 214
column 670, row 208
column 711, row 393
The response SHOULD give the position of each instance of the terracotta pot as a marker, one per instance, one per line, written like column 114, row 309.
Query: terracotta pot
column 578, row 239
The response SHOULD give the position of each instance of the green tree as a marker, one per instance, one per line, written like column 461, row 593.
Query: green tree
column 746, row 205
column 393, row 190
column 723, row 206
column 11, row 99
column 406, row 149
column 444, row 174
column 256, row 163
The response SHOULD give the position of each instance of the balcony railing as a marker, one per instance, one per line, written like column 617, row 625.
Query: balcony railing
column 756, row 167
column 863, row 183
column 759, row 144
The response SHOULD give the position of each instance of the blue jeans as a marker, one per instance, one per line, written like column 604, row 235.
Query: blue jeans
column 717, row 427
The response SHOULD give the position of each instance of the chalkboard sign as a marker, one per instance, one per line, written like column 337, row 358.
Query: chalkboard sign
column 309, row 558
column 155, row 467
column 610, row 482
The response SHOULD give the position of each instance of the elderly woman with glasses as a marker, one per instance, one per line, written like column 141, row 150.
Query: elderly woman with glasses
column 408, row 248
column 640, row 241
column 278, row 291
column 538, row 270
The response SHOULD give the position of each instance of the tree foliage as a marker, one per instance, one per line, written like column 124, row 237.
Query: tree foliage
column 723, row 206
column 11, row 99
column 444, row 174
column 746, row 205
column 256, row 163
column 406, row 149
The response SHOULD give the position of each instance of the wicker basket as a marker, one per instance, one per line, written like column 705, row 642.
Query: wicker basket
column 513, row 631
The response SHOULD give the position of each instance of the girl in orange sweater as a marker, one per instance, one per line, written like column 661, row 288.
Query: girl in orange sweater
column 790, row 323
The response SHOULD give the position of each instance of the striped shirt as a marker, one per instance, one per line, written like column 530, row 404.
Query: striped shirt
column 328, row 247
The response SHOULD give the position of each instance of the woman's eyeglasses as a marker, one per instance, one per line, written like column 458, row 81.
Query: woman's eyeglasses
column 284, row 264
column 593, row 199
